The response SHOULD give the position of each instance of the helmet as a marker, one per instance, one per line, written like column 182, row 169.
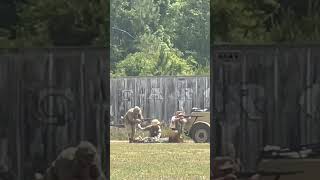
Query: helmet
column 155, row 122
column 85, row 150
column 179, row 112
column 136, row 109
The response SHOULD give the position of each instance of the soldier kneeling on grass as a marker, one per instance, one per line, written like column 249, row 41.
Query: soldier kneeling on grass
column 76, row 163
column 177, row 122
column 154, row 130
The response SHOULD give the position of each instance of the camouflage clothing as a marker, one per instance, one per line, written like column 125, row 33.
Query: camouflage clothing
column 76, row 163
column 131, row 119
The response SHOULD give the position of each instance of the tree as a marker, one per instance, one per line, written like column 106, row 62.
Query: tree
column 189, row 20
column 154, row 57
column 61, row 22
column 129, row 20
column 149, row 32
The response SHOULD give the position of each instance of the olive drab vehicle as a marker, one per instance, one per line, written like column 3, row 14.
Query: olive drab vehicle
column 198, row 126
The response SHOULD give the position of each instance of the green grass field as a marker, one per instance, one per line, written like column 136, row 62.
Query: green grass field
column 159, row 161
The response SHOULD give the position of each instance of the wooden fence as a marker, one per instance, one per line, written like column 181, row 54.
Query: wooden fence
column 265, row 95
column 159, row 97
column 51, row 99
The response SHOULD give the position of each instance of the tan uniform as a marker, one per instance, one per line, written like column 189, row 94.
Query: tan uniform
column 177, row 124
column 68, row 167
column 131, row 119
column 155, row 131
column 224, row 168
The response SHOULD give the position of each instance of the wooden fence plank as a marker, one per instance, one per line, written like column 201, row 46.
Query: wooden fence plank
column 280, row 81
column 159, row 97
column 40, row 86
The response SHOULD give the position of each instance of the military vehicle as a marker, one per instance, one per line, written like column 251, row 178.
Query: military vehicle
column 198, row 126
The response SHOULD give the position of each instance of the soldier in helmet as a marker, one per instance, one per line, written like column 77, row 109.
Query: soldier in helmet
column 131, row 119
column 154, row 129
column 76, row 163
column 224, row 168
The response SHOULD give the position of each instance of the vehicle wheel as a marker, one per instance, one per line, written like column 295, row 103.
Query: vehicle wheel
column 201, row 133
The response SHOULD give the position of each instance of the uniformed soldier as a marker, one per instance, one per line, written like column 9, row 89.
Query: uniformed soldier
column 76, row 163
column 227, row 166
column 131, row 119
column 177, row 122
column 154, row 129
column 224, row 168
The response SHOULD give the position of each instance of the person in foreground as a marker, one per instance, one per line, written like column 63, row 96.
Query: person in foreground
column 227, row 167
column 76, row 163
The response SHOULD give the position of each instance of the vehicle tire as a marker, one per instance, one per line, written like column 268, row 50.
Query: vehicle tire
column 200, row 133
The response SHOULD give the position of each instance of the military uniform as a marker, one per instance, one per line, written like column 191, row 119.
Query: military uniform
column 177, row 122
column 154, row 129
column 224, row 168
column 76, row 163
column 131, row 119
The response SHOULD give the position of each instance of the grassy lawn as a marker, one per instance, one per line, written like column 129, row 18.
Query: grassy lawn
column 159, row 161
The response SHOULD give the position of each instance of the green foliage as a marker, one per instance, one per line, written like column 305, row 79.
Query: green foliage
column 61, row 22
column 295, row 28
column 153, row 58
column 183, row 25
column 241, row 21
column 189, row 20
column 247, row 21
column 152, row 38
